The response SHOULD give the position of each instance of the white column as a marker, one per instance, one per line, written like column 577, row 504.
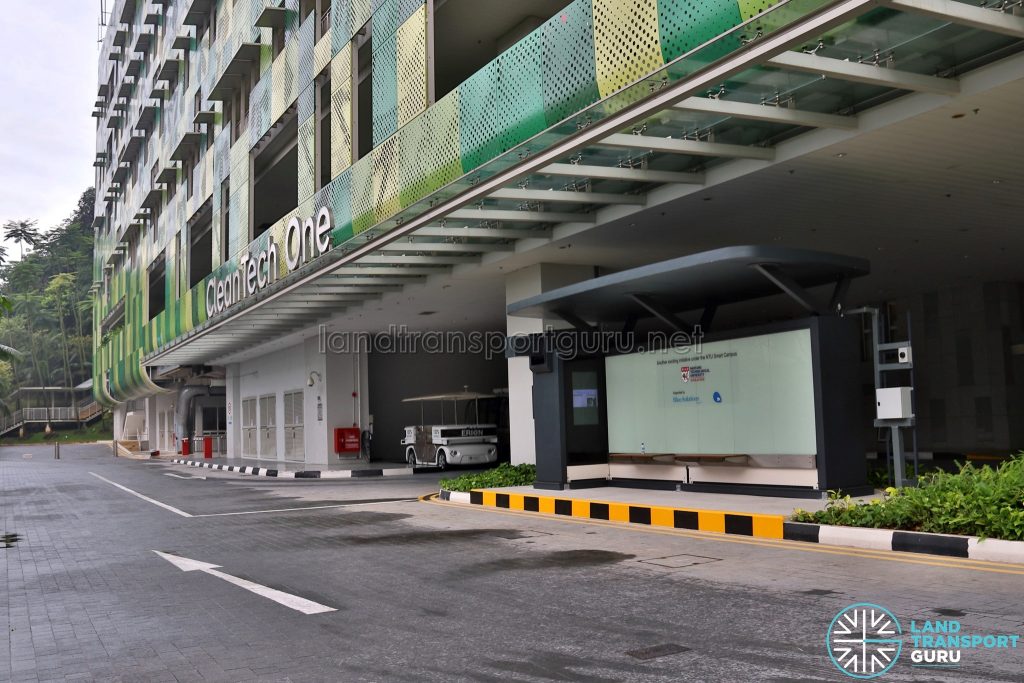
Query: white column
column 315, row 426
column 119, row 413
column 151, row 431
column 233, row 411
column 346, row 396
column 522, row 284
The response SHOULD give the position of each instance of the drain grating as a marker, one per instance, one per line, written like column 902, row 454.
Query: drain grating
column 656, row 651
column 9, row 539
column 949, row 612
column 680, row 561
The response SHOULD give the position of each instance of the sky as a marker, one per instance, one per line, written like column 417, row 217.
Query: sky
column 48, row 83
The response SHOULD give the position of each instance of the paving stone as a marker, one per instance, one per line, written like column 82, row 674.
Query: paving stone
column 423, row 592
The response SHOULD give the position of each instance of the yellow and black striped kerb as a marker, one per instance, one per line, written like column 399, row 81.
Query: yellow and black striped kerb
column 718, row 521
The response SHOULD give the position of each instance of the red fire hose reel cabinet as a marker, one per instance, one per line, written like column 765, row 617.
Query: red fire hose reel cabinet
column 346, row 440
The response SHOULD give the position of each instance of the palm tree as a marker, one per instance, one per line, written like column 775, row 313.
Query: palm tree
column 58, row 295
column 3, row 255
column 23, row 232
column 7, row 353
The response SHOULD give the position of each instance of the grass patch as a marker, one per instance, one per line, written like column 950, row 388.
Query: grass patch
column 502, row 475
column 94, row 432
column 975, row 501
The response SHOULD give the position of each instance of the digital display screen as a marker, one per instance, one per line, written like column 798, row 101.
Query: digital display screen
column 585, row 409
column 753, row 395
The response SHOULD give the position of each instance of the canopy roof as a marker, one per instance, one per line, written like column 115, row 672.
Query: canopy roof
column 699, row 281
column 460, row 396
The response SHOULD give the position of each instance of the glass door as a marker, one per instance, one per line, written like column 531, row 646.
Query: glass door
column 268, row 427
column 294, row 433
column 249, row 428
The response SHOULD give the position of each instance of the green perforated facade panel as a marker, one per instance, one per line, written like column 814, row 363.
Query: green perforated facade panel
column 589, row 51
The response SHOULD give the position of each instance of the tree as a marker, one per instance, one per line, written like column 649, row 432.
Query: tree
column 49, row 290
column 59, row 297
column 8, row 355
column 23, row 232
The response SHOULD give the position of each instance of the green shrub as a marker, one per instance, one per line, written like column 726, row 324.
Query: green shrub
column 976, row 501
column 501, row 476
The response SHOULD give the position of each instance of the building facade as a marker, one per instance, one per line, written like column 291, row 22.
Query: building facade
column 276, row 179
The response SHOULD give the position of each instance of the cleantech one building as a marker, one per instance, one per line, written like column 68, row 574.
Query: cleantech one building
column 277, row 178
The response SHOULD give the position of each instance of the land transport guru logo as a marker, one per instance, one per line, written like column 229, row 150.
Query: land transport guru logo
column 866, row 640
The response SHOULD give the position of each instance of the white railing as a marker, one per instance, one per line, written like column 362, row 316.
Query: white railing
column 10, row 421
column 89, row 411
column 55, row 414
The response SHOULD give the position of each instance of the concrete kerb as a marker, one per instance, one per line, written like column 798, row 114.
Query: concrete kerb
column 304, row 474
column 775, row 527
column 719, row 521
column 947, row 545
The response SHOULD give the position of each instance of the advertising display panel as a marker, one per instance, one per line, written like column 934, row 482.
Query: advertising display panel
column 747, row 396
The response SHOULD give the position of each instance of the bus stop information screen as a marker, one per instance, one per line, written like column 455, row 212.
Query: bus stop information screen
column 751, row 396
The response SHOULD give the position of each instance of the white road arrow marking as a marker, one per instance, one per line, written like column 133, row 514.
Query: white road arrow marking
column 287, row 599
column 178, row 476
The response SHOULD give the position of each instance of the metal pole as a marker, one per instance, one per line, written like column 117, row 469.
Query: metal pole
column 913, row 401
column 888, row 461
column 899, row 465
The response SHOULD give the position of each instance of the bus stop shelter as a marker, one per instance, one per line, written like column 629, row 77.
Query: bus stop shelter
column 715, row 415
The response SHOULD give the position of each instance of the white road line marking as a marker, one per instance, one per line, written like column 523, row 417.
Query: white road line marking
column 165, row 506
column 315, row 507
column 178, row 476
column 287, row 599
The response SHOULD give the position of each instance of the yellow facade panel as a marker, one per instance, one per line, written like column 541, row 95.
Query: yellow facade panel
column 322, row 54
column 412, row 66
column 627, row 44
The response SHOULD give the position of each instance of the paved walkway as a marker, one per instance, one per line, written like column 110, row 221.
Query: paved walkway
column 335, row 465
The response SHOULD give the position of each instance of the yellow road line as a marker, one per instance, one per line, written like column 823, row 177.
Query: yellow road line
column 889, row 556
